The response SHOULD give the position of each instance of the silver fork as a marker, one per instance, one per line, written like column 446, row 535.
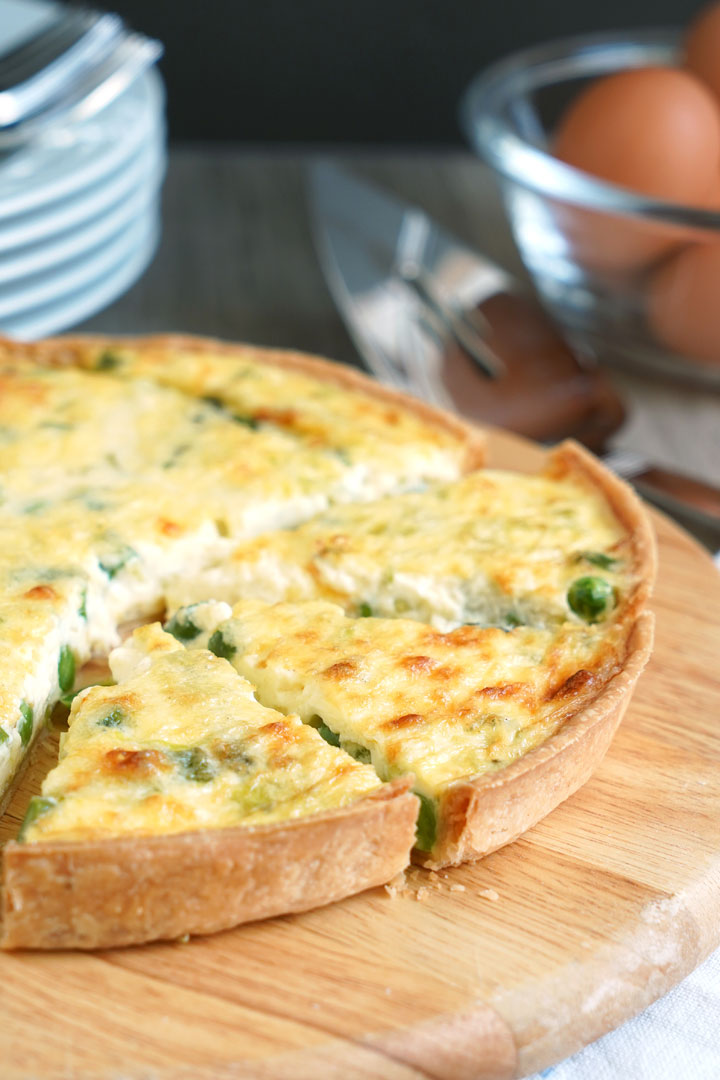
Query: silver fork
column 103, row 61
column 33, row 75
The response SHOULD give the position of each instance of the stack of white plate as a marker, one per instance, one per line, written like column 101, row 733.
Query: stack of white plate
column 79, row 208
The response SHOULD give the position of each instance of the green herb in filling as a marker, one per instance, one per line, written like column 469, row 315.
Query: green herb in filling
column 36, row 808
column 511, row 621
column 328, row 735
column 590, row 597
column 3, row 736
column 246, row 421
column 195, row 765
column 113, row 564
column 365, row 611
column 597, row 558
column 25, row 726
column 426, row 828
column 182, row 627
column 221, row 646
column 107, row 361
column 66, row 669
column 82, row 610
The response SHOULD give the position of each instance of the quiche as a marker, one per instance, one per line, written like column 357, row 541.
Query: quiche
column 126, row 468
column 180, row 805
column 406, row 619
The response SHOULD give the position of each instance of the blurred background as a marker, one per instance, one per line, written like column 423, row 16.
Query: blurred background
column 381, row 72
column 185, row 202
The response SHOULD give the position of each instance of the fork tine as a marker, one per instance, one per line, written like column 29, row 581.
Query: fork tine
column 96, row 89
column 42, row 48
column 43, row 88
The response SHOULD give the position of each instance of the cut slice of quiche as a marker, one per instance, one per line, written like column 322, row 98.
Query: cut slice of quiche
column 180, row 805
column 492, row 548
column 474, row 715
column 126, row 468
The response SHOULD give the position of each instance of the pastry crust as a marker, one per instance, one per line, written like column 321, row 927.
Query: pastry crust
column 67, row 351
column 484, row 813
column 129, row 890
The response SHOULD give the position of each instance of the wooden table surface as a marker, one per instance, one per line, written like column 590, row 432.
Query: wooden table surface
column 237, row 261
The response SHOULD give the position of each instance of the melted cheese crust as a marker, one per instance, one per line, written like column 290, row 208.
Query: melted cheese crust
column 442, row 706
column 493, row 548
column 182, row 744
column 122, row 478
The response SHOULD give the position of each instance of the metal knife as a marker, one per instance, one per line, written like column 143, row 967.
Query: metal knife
column 434, row 318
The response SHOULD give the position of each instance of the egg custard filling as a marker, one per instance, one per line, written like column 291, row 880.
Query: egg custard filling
column 124, row 473
column 412, row 700
column 180, row 744
column 493, row 548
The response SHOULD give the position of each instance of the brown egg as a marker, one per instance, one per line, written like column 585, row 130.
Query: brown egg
column 702, row 47
column 683, row 304
column 653, row 130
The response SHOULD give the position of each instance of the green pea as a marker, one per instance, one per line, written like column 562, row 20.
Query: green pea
column 182, row 627
column 36, row 808
column 115, row 718
column 328, row 735
column 196, row 765
column 426, row 828
column 221, row 646
column 365, row 611
column 25, row 727
column 590, row 597
column 66, row 669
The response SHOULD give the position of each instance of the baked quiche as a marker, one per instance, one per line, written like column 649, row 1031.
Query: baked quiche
column 180, row 805
column 126, row 469
column 403, row 619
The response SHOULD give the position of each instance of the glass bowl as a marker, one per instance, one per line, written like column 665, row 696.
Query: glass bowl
column 599, row 254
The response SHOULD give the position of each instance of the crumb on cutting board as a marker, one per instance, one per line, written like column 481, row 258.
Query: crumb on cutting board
column 415, row 883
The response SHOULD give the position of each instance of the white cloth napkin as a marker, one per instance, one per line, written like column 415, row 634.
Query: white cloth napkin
column 676, row 1038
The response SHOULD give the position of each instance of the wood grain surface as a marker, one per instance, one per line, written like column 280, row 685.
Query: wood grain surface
column 489, row 970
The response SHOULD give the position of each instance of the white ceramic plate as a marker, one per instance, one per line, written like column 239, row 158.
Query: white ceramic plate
column 19, row 233
column 44, row 257
column 55, row 317
column 72, row 275
column 70, row 160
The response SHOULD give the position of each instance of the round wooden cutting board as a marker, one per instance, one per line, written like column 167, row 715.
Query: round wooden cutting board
column 491, row 970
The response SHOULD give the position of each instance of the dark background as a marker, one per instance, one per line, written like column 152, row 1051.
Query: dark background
column 373, row 71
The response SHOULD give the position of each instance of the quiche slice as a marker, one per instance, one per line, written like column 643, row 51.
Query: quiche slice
column 493, row 548
column 180, row 805
column 494, row 727
column 126, row 468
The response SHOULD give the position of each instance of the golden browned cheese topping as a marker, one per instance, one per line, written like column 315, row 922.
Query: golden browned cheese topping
column 181, row 744
column 137, row 470
column 493, row 548
column 442, row 706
